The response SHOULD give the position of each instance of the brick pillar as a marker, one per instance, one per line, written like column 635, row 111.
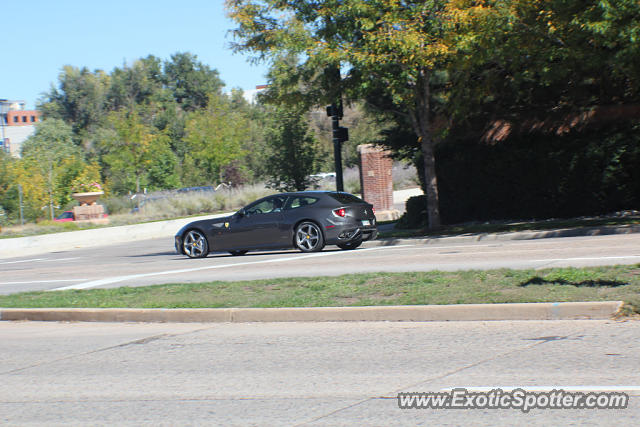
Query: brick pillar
column 375, row 177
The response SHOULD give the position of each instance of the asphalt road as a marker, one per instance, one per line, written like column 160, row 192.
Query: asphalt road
column 154, row 261
column 295, row 374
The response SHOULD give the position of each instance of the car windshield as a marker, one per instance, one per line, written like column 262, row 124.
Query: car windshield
column 346, row 198
column 272, row 204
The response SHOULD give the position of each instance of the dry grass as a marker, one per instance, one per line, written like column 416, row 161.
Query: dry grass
column 154, row 207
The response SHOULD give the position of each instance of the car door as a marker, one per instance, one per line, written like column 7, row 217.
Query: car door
column 258, row 225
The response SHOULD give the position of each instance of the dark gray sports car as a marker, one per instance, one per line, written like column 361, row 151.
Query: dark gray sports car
column 306, row 220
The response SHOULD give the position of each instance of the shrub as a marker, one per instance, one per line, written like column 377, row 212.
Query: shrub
column 415, row 215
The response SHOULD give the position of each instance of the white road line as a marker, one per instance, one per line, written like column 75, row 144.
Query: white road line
column 42, row 281
column 116, row 279
column 586, row 258
column 24, row 260
column 538, row 388
column 39, row 259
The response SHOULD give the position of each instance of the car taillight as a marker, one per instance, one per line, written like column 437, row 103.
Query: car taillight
column 340, row 212
column 373, row 210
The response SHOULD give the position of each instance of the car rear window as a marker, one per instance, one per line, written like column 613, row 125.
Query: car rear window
column 300, row 201
column 346, row 198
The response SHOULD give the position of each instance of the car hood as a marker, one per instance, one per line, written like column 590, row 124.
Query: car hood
column 205, row 224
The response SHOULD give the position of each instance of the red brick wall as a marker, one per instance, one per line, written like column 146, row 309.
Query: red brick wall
column 22, row 117
column 375, row 176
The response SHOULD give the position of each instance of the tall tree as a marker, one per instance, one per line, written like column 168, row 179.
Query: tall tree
column 137, row 84
column 133, row 150
column 388, row 47
column 47, row 150
column 293, row 151
column 78, row 100
column 191, row 81
column 535, row 59
column 214, row 138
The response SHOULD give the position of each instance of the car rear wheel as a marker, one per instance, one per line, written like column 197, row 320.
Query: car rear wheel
column 195, row 244
column 350, row 245
column 238, row 253
column 309, row 237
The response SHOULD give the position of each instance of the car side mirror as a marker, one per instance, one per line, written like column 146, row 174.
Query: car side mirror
column 241, row 213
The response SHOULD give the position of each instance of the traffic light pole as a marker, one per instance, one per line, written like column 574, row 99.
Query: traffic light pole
column 340, row 135
column 337, row 152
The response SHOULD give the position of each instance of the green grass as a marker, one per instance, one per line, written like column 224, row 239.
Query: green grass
column 506, row 227
column 437, row 287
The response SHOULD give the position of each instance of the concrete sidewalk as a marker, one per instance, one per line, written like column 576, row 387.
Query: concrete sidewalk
column 409, row 313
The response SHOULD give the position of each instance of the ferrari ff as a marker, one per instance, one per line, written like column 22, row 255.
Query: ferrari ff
column 307, row 220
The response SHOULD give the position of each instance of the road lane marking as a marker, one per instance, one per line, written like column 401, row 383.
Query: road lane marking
column 116, row 279
column 585, row 258
column 24, row 260
column 39, row 259
column 42, row 281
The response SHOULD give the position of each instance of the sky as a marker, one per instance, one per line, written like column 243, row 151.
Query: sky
column 42, row 36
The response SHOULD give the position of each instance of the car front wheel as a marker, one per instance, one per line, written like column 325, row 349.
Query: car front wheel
column 309, row 237
column 195, row 244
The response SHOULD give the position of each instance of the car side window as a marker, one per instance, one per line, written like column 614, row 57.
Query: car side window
column 300, row 201
column 272, row 204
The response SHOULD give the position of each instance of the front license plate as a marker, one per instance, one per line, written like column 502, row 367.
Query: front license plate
column 366, row 222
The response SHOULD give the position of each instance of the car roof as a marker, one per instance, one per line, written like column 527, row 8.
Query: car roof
column 307, row 192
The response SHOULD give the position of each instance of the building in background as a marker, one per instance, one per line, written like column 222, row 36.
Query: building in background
column 16, row 125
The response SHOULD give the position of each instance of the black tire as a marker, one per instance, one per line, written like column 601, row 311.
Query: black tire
column 308, row 237
column 349, row 246
column 238, row 253
column 194, row 244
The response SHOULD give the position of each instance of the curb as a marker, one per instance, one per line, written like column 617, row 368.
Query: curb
column 410, row 313
column 43, row 243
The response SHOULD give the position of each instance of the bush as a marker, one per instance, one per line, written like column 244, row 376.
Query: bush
column 415, row 215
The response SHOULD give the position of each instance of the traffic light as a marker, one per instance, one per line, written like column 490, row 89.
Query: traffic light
column 341, row 134
column 334, row 110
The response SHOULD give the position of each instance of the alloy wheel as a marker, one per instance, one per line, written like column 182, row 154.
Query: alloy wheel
column 309, row 237
column 195, row 244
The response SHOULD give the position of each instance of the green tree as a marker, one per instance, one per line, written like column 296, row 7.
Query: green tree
column 390, row 48
column 6, row 183
column 132, row 149
column 191, row 81
column 293, row 152
column 79, row 100
column 138, row 84
column 214, row 137
column 49, row 150
column 545, row 59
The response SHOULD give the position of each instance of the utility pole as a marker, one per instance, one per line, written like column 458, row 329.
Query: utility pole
column 340, row 135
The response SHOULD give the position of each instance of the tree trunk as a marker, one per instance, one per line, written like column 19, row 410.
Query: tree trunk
column 422, row 127
column 430, row 181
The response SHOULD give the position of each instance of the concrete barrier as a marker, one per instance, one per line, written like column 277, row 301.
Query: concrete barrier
column 33, row 245
column 409, row 313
